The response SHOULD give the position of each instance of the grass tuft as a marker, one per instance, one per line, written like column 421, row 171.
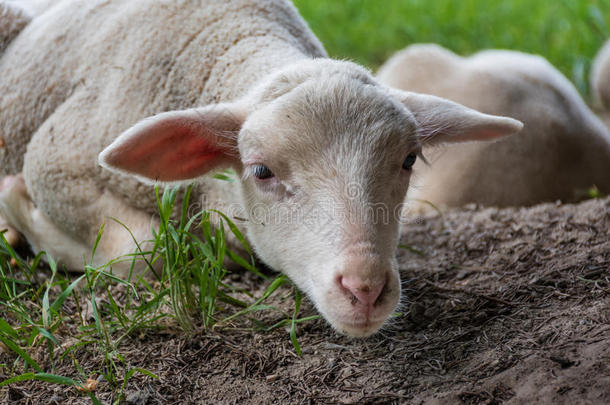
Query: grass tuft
column 184, row 284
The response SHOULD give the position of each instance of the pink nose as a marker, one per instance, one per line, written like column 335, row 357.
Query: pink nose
column 365, row 293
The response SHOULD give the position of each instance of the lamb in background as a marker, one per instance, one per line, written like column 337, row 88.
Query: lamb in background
column 248, row 86
column 562, row 151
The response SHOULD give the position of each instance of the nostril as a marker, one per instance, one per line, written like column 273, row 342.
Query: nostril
column 362, row 292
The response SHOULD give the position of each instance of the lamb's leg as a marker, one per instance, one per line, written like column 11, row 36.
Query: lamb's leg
column 21, row 213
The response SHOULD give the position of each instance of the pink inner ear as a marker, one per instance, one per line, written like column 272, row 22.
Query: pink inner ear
column 169, row 150
column 189, row 155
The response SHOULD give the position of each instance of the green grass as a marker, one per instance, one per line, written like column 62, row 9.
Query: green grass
column 191, row 289
column 567, row 32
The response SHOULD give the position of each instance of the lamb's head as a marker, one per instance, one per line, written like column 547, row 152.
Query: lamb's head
column 325, row 156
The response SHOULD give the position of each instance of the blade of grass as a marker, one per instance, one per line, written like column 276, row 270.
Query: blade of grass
column 21, row 353
column 277, row 283
column 293, row 329
column 51, row 378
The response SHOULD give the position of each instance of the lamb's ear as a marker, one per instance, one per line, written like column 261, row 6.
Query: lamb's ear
column 441, row 120
column 178, row 145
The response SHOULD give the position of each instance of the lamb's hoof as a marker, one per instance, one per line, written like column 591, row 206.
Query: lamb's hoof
column 10, row 234
column 10, row 185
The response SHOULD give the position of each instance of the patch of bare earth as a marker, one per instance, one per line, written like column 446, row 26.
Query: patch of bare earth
column 501, row 306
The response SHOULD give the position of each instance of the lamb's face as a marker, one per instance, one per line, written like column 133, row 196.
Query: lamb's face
column 326, row 156
column 326, row 167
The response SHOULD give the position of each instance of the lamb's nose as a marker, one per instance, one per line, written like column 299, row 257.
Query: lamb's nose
column 366, row 293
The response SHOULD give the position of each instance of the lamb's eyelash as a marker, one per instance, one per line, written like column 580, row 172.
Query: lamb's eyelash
column 248, row 172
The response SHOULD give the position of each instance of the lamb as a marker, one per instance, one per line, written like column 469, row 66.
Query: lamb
column 562, row 151
column 600, row 77
column 239, row 84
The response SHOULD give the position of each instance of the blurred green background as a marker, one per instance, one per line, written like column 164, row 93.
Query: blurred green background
column 567, row 32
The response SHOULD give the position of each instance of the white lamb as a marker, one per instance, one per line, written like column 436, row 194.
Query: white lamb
column 316, row 142
column 562, row 151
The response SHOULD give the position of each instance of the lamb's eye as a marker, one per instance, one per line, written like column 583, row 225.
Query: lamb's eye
column 409, row 161
column 262, row 172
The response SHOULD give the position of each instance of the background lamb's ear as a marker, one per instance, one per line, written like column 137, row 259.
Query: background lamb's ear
column 178, row 145
column 441, row 120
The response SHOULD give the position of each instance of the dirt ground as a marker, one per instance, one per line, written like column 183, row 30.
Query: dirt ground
column 501, row 306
